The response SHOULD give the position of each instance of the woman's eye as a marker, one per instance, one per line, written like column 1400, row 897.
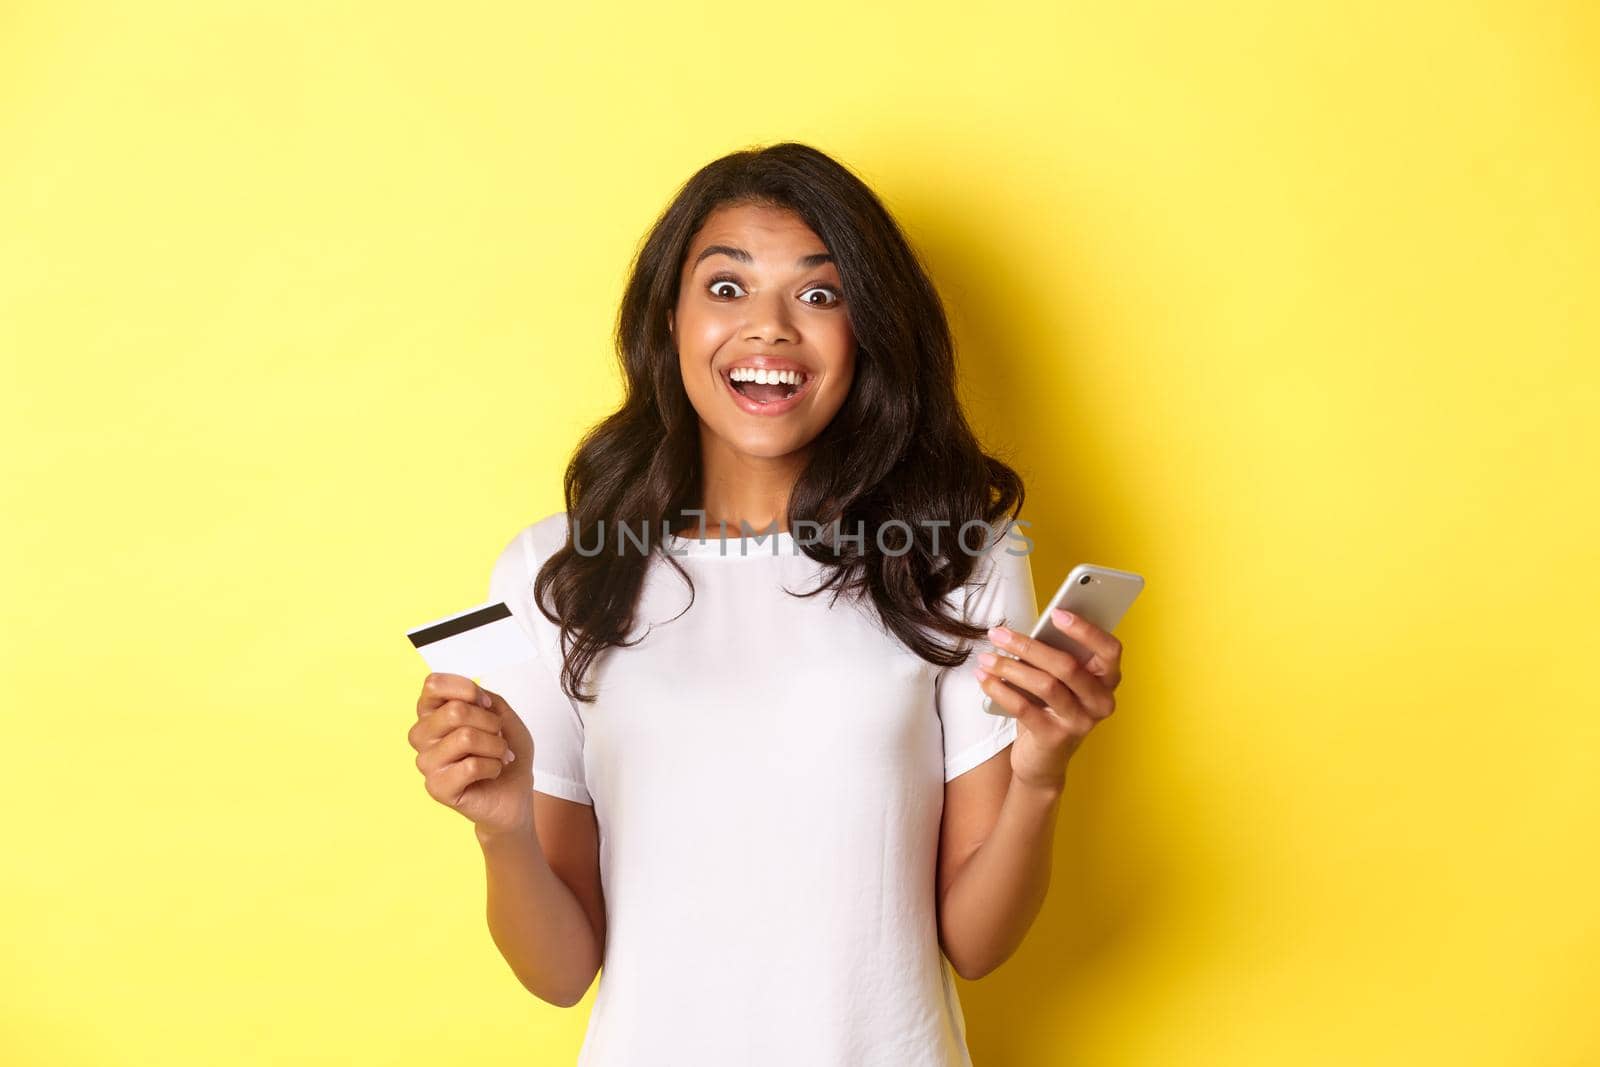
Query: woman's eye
column 727, row 289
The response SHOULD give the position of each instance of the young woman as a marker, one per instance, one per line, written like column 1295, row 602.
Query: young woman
column 748, row 776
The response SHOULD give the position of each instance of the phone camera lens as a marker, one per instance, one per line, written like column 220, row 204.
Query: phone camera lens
column 1084, row 580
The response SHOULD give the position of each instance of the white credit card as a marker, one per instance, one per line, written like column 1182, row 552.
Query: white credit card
column 473, row 642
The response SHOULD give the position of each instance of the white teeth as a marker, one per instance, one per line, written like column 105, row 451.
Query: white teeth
column 766, row 377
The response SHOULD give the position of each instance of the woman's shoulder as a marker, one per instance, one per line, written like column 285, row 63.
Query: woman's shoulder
column 547, row 535
column 528, row 548
column 1000, row 558
column 991, row 550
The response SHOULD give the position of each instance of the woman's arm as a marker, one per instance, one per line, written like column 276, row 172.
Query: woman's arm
column 540, row 925
column 993, row 896
column 989, row 899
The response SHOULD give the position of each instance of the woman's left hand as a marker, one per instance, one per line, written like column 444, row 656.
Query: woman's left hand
column 1056, row 700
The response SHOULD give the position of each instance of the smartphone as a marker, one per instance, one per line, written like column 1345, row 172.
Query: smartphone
column 1100, row 594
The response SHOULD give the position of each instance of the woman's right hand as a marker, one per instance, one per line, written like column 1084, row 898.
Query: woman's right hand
column 474, row 752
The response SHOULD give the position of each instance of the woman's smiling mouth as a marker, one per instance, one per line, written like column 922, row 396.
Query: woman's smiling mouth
column 762, row 389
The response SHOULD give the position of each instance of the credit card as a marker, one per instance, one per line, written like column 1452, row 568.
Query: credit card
column 473, row 642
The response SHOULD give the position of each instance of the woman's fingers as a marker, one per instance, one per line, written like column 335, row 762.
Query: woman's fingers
column 1065, row 688
column 460, row 738
column 1045, row 689
column 461, row 743
column 1086, row 690
column 512, row 727
column 450, row 783
column 1105, row 651
column 1017, row 704
column 450, row 716
column 439, row 688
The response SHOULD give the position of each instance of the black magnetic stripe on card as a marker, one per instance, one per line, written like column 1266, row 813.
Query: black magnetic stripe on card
column 450, row 627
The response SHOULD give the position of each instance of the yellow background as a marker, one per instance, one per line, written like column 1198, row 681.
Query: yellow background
column 1290, row 307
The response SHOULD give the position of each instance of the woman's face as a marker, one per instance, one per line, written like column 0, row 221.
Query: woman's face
column 759, row 292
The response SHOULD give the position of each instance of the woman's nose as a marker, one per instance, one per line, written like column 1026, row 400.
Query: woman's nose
column 770, row 319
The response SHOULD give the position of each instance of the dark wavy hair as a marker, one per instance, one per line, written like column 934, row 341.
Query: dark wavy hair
column 899, row 448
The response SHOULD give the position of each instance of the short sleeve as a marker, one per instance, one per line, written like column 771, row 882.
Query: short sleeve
column 999, row 593
column 533, row 687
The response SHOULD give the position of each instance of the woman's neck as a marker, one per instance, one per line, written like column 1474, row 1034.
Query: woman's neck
column 741, row 491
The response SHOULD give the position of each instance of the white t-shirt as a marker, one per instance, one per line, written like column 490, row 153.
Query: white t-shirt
column 767, row 775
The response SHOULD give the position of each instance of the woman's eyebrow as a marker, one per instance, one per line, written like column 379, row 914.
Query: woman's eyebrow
column 815, row 259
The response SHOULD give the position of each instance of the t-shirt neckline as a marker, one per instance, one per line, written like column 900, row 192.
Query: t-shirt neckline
column 717, row 546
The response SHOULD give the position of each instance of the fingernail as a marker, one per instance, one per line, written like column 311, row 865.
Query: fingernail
column 483, row 698
column 1063, row 618
column 511, row 756
column 987, row 658
column 998, row 635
